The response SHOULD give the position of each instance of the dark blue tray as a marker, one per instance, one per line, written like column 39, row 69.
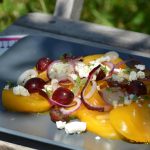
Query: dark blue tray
column 38, row 127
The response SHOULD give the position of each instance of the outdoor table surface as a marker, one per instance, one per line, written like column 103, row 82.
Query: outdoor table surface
column 76, row 31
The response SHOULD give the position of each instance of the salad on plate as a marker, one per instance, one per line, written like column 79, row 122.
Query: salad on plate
column 108, row 97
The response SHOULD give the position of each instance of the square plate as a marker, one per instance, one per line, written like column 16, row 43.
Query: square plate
column 38, row 127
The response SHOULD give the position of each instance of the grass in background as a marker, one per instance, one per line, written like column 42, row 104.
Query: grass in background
column 126, row 14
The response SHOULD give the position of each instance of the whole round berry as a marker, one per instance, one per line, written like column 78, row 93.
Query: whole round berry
column 42, row 64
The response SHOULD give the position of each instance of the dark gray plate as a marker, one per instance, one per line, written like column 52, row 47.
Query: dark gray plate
column 38, row 127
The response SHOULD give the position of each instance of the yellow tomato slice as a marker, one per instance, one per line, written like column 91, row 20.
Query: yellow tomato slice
column 32, row 103
column 97, row 122
column 133, row 121
column 89, row 58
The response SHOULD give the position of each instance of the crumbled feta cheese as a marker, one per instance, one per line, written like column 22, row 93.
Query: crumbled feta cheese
column 6, row 87
column 20, row 90
column 51, row 87
column 98, row 61
column 60, row 69
column 60, row 124
column 123, row 75
column 54, row 84
column 132, row 76
column 127, row 101
column 73, row 76
column 97, row 138
column 131, row 96
column 48, row 87
column 141, row 74
column 120, row 76
column 75, row 127
column 117, row 78
column 115, row 103
column 140, row 67
column 82, row 69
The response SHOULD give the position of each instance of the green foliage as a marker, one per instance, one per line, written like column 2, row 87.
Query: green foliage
column 10, row 10
column 125, row 14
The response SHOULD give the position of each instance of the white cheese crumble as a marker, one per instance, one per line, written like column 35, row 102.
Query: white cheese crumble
column 82, row 69
column 132, row 76
column 48, row 87
column 141, row 74
column 117, row 78
column 97, row 138
column 6, row 87
column 120, row 76
column 60, row 69
column 127, row 101
column 73, row 76
column 54, row 84
column 131, row 96
column 60, row 124
column 20, row 90
column 51, row 87
column 75, row 127
column 140, row 67
column 115, row 104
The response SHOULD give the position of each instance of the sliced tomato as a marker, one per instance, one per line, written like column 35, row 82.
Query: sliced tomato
column 33, row 103
column 133, row 121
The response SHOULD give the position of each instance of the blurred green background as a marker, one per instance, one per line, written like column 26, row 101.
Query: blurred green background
column 125, row 14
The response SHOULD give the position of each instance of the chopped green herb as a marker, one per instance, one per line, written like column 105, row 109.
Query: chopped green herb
column 121, row 98
column 127, row 70
column 72, row 117
column 49, row 93
column 135, row 98
column 10, row 84
column 104, row 68
column 79, row 83
column 109, row 89
column 82, row 82
column 146, row 97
